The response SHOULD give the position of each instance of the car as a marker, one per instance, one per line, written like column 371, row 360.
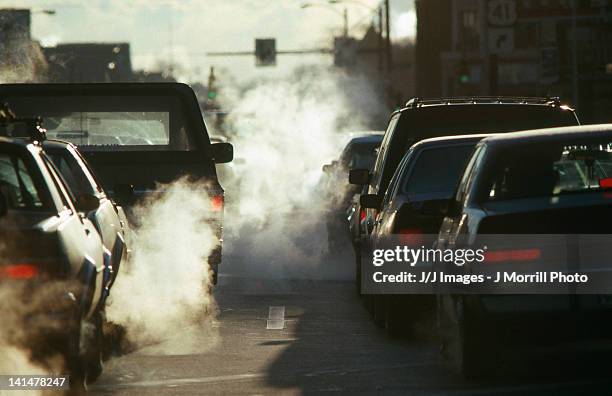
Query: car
column 135, row 136
column 412, row 211
column 47, row 239
column 359, row 152
column 529, row 187
column 109, row 218
column 422, row 119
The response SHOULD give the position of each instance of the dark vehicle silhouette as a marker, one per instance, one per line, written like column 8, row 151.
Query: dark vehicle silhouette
column 537, row 184
column 47, row 241
column 134, row 135
column 412, row 211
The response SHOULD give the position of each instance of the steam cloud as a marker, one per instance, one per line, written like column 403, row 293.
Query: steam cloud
column 284, row 131
column 163, row 293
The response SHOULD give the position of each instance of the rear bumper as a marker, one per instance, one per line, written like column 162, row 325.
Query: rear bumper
column 540, row 319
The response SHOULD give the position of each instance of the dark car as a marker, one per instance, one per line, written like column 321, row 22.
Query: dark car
column 360, row 152
column 134, row 135
column 422, row 119
column 46, row 240
column 412, row 210
column 109, row 218
column 529, row 187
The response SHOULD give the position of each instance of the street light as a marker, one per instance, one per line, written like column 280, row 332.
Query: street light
column 344, row 13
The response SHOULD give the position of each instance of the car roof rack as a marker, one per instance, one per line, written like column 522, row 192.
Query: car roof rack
column 547, row 100
column 22, row 127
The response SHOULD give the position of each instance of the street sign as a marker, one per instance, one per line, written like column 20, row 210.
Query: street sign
column 501, row 12
column 501, row 40
column 265, row 52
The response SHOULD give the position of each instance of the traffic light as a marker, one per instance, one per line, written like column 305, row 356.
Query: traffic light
column 265, row 52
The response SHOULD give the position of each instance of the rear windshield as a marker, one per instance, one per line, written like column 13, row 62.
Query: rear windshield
column 17, row 184
column 100, row 123
column 437, row 170
column 362, row 156
column 544, row 170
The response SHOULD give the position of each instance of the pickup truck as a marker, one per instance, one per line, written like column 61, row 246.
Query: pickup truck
column 136, row 137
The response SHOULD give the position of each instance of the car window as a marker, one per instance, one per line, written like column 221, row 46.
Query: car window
column 382, row 152
column 391, row 190
column 64, row 192
column 73, row 174
column 544, row 170
column 468, row 174
column 437, row 170
column 17, row 184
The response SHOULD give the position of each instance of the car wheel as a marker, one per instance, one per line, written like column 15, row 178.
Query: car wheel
column 358, row 268
column 75, row 366
column 397, row 313
column 470, row 346
column 94, row 344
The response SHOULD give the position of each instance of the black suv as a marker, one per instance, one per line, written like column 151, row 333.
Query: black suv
column 422, row 119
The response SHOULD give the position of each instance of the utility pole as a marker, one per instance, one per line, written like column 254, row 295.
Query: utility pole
column 380, row 38
column 575, row 82
column 345, row 19
column 388, row 44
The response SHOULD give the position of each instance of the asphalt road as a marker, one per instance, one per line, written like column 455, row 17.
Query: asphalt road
column 310, row 336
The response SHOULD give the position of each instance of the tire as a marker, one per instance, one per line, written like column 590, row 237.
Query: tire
column 94, row 345
column 468, row 344
column 357, row 247
column 397, row 317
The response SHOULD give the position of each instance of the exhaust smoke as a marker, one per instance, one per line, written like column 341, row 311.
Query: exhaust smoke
column 283, row 132
column 162, row 295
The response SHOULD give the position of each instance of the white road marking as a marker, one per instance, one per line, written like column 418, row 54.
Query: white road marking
column 276, row 318
column 179, row 381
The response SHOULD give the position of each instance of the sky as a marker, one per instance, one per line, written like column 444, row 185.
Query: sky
column 181, row 32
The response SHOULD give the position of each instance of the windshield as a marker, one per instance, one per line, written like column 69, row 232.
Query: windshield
column 549, row 170
column 110, row 123
column 437, row 170
column 17, row 184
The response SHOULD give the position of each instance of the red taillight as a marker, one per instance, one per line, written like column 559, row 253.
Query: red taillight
column 605, row 183
column 410, row 236
column 216, row 203
column 19, row 271
column 362, row 215
column 496, row 256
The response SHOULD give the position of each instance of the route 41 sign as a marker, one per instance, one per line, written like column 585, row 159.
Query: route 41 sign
column 501, row 12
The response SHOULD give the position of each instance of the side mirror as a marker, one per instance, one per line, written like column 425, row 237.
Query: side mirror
column 370, row 201
column 3, row 205
column 327, row 168
column 87, row 203
column 359, row 176
column 222, row 152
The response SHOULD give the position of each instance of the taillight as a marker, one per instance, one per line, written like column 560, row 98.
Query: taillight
column 495, row 256
column 19, row 271
column 605, row 183
column 362, row 215
column 410, row 236
column 216, row 203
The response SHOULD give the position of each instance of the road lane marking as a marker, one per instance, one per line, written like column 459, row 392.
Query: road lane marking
column 276, row 318
column 178, row 381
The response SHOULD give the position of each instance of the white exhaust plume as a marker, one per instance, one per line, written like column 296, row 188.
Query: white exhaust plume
column 283, row 132
column 163, row 293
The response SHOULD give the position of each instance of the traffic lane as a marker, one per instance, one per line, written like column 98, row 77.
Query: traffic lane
column 328, row 343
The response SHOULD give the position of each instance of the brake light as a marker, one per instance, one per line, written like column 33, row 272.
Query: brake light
column 410, row 236
column 605, row 183
column 216, row 203
column 496, row 256
column 362, row 215
column 19, row 271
